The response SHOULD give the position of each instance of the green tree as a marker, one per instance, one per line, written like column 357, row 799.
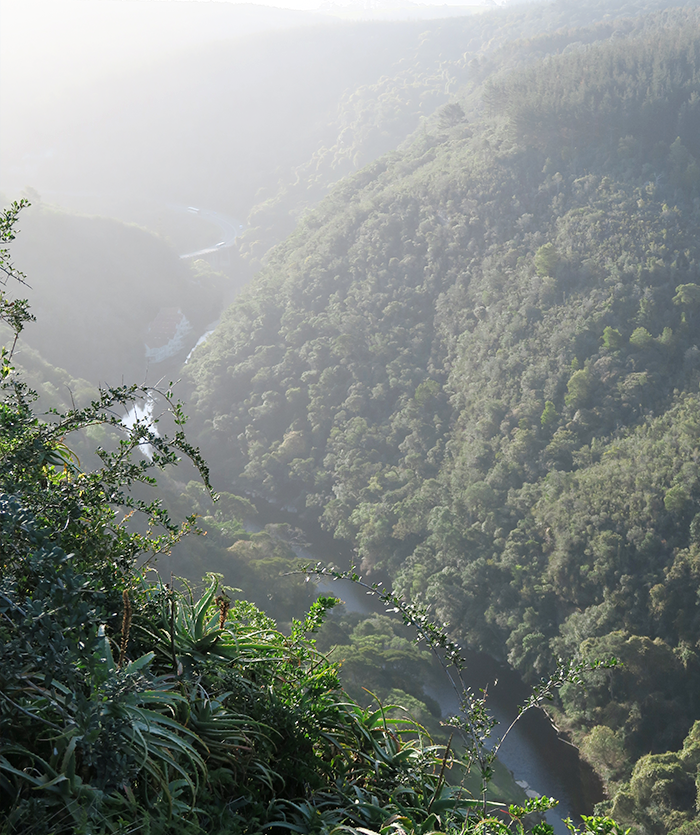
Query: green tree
column 451, row 114
column 546, row 260
column 641, row 339
column 579, row 389
column 676, row 499
column 605, row 750
column 687, row 295
column 549, row 414
column 612, row 338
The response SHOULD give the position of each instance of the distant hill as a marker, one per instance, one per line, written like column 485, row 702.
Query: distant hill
column 107, row 35
column 208, row 104
column 209, row 126
column 95, row 285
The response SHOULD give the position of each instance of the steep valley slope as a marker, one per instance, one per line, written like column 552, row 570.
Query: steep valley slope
column 478, row 361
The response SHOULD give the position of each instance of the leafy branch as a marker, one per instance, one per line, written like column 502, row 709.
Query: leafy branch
column 475, row 723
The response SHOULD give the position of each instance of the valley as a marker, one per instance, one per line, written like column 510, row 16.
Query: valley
column 452, row 302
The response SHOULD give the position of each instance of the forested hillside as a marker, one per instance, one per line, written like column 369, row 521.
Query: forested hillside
column 477, row 361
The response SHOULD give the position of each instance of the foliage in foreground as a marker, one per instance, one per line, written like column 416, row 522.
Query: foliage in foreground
column 128, row 706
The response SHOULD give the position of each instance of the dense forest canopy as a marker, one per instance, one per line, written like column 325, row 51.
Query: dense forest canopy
column 476, row 360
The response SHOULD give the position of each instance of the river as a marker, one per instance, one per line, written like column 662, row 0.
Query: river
column 541, row 761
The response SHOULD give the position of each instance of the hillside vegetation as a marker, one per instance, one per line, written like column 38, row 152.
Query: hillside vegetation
column 424, row 65
column 477, row 361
